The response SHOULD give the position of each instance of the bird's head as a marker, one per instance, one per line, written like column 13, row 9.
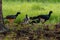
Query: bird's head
column 51, row 12
column 18, row 12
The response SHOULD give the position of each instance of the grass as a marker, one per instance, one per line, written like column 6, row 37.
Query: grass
column 32, row 9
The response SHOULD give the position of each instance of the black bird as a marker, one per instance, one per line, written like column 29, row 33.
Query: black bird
column 33, row 18
column 42, row 17
column 45, row 17
column 35, row 21
column 12, row 17
column 26, row 19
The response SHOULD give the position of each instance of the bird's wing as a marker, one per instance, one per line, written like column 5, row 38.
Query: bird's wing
column 44, row 16
column 35, row 17
column 10, row 16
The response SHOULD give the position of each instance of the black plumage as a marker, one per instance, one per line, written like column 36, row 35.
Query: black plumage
column 26, row 19
column 33, row 18
column 45, row 17
column 35, row 21
column 12, row 16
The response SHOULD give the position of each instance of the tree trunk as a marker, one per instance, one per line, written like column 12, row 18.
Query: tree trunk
column 1, row 15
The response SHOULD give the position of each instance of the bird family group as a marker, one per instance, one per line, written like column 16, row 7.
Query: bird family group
column 27, row 19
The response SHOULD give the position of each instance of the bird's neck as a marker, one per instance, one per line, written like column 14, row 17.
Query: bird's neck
column 26, row 17
column 49, row 14
column 16, row 15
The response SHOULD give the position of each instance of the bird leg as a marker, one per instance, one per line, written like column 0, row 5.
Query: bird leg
column 42, row 20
